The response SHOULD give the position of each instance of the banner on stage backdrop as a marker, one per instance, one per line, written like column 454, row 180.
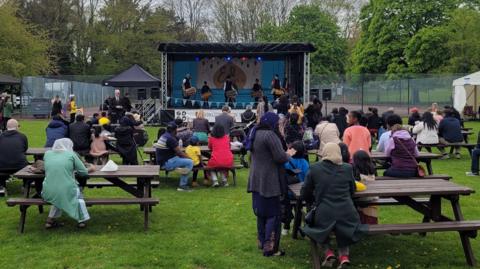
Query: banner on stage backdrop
column 210, row 114
column 242, row 71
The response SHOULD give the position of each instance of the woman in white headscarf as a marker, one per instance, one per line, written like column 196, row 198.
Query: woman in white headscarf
column 329, row 185
column 60, row 187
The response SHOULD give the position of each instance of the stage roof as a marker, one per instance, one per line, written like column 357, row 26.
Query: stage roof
column 135, row 76
column 235, row 48
column 8, row 80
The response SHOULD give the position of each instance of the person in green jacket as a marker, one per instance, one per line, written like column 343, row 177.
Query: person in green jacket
column 60, row 187
column 330, row 185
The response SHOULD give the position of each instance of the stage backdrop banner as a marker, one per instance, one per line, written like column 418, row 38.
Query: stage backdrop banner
column 243, row 72
column 210, row 114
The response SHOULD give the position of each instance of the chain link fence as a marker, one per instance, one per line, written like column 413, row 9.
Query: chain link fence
column 37, row 92
column 400, row 91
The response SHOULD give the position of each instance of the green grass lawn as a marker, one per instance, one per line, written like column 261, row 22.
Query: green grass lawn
column 210, row 228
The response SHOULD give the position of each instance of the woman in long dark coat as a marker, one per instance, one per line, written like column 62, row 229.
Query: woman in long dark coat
column 330, row 185
column 267, row 183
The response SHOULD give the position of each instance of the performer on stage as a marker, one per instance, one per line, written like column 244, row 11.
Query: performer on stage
column 188, row 90
column 277, row 90
column 230, row 91
column 257, row 91
column 286, row 86
column 206, row 93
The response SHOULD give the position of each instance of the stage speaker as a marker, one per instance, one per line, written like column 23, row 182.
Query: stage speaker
column 141, row 94
column 327, row 94
column 166, row 116
column 155, row 93
column 314, row 93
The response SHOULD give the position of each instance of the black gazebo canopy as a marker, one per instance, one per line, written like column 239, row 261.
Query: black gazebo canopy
column 235, row 48
column 8, row 80
column 134, row 76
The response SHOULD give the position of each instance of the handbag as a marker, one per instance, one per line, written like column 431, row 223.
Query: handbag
column 420, row 168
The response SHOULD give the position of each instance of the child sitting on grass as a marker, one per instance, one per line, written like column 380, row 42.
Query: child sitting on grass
column 364, row 171
column 193, row 152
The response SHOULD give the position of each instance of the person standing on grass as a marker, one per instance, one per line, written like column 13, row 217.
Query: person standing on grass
column 225, row 120
column 56, row 106
column 356, row 137
column 60, row 187
column 450, row 131
column 329, row 185
column 13, row 146
column 267, row 183
column 7, row 111
column 170, row 156
column 72, row 108
column 201, row 127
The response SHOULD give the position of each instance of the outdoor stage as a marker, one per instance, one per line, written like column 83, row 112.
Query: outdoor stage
column 243, row 62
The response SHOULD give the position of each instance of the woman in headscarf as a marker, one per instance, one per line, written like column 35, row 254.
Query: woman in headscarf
column 329, row 185
column 267, row 183
column 60, row 187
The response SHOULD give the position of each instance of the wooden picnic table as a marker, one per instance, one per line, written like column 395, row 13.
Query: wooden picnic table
column 144, row 175
column 405, row 192
column 38, row 153
column 425, row 157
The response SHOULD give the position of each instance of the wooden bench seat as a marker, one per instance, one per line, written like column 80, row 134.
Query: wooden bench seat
column 468, row 228
column 205, row 168
column 445, row 177
column 388, row 201
column 101, row 184
column 468, row 146
column 24, row 203
column 445, row 226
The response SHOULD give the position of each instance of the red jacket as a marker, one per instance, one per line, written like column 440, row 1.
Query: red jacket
column 221, row 154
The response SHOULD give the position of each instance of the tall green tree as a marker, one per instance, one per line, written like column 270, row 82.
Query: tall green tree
column 22, row 52
column 388, row 26
column 308, row 23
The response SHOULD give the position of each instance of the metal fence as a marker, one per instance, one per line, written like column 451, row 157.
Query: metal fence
column 405, row 90
column 88, row 91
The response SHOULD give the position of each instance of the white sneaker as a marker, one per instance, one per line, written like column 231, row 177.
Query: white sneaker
column 215, row 184
column 225, row 184
column 471, row 174
column 284, row 232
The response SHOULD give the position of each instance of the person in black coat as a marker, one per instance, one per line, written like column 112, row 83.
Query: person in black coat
column 80, row 134
column 126, row 145
column 115, row 107
column 13, row 146
column 313, row 113
column 340, row 119
column 56, row 106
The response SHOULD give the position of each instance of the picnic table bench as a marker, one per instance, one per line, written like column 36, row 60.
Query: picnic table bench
column 424, row 157
column 406, row 192
column 468, row 146
column 38, row 153
column 141, row 191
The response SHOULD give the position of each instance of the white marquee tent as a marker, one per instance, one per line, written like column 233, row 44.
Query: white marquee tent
column 465, row 92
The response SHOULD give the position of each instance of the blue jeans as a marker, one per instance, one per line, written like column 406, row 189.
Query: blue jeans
column 475, row 157
column 176, row 162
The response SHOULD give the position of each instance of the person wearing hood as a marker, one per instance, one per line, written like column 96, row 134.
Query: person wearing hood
column 126, row 145
column 60, row 187
column 267, row 183
column 16, row 144
column 402, row 150
column 329, row 185
column 56, row 129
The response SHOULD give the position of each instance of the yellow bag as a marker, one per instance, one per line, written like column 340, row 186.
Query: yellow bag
column 359, row 186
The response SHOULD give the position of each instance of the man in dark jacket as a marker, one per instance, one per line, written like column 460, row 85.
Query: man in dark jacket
column 80, row 134
column 56, row 129
column 450, row 131
column 115, row 107
column 13, row 146
column 225, row 120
